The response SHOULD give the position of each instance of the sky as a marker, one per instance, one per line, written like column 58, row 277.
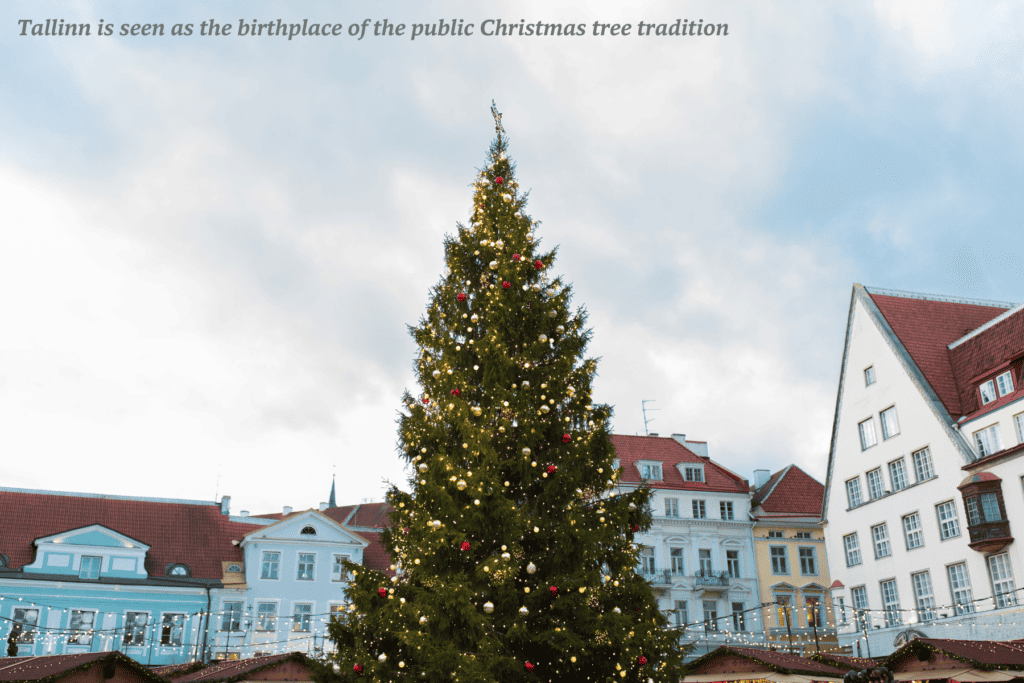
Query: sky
column 213, row 246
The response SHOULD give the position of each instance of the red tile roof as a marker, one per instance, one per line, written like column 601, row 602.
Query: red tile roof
column 984, row 654
column 55, row 667
column 242, row 668
column 926, row 326
column 761, row 661
column 666, row 450
column 790, row 492
column 169, row 528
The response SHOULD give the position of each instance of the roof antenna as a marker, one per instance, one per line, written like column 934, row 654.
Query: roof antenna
column 647, row 420
column 216, row 490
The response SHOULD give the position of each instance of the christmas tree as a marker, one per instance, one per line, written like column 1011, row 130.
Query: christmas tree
column 515, row 559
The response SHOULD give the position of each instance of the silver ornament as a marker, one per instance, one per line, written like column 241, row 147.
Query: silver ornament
column 423, row 620
column 531, row 568
column 436, row 373
column 383, row 657
column 493, row 265
column 617, row 610
column 488, row 607
column 523, row 610
column 473, row 318
column 526, row 451
column 543, row 338
column 506, row 556
column 423, row 467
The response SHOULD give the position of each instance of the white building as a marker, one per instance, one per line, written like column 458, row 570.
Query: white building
column 925, row 470
column 698, row 554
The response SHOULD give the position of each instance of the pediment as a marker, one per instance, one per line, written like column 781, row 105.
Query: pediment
column 94, row 535
column 309, row 527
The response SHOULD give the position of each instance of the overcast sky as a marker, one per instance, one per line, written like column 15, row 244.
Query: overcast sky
column 212, row 246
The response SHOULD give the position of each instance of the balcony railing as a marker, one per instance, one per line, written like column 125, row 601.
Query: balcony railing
column 659, row 577
column 711, row 579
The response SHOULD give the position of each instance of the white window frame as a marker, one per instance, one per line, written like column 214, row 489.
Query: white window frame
column 672, row 507
column 96, row 560
column 854, row 497
column 700, row 509
column 890, row 423
column 1018, row 425
column 923, row 469
column 890, row 602
column 987, row 440
column 705, row 561
column 1004, row 383
column 851, row 546
column 28, row 626
column 266, row 619
column 739, row 621
column 301, row 563
column 949, row 520
column 924, row 595
column 300, row 620
column 230, row 619
column 693, row 473
column 681, row 613
column 960, row 588
column 171, row 624
column 647, row 565
column 913, row 533
column 650, row 470
column 1000, row 572
column 868, row 438
column 77, row 635
column 135, row 634
column 876, row 484
column 987, row 392
column 732, row 564
column 880, row 541
column 898, row 479
column 861, row 607
column 270, row 568
column 677, row 560
column 338, row 573
column 725, row 509
column 869, row 375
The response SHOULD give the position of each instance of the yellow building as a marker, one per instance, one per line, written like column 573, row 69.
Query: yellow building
column 792, row 568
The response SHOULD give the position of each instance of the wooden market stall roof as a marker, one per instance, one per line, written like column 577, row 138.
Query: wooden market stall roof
column 291, row 666
column 86, row 667
column 844, row 661
column 729, row 663
column 959, row 660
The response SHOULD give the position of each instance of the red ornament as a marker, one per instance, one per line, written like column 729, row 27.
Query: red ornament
column 566, row 438
column 642, row 660
column 554, row 590
column 461, row 296
column 382, row 592
column 426, row 400
column 499, row 180
column 529, row 667
column 464, row 546
column 552, row 469
column 538, row 264
column 455, row 392
column 516, row 257
column 358, row 668
column 636, row 528
column 506, row 284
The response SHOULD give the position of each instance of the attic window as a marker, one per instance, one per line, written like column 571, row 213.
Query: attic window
column 1005, row 383
column 869, row 376
column 308, row 531
column 988, row 392
column 178, row 570
column 236, row 568
column 693, row 473
column 3, row 561
column 651, row 470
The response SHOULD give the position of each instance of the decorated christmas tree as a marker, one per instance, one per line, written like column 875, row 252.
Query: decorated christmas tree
column 515, row 559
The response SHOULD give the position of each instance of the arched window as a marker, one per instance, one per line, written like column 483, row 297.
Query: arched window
column 178, row 570
column 308, row 531
column 237, row 568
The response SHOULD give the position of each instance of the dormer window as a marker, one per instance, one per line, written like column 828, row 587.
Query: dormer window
column 651, row 470
column 308, row 531
column 90, row 567
column 693, row 473
column 1004, row 383
column 178, row 571
column 988, row 392
column 235, row 568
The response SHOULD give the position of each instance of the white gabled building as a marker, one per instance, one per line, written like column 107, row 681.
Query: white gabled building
column 925, row 474
column 698, row 554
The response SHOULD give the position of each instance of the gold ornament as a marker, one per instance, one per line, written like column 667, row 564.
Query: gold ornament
column 488, row 607
column 461, row 485
column 531, row 568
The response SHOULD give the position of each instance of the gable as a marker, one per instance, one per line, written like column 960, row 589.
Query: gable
column 95, row 535
column 290, row 530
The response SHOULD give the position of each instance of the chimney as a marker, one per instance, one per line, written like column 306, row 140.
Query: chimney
column 323, row 506
column 244, row 513
column 761, row 478
column 287, row 510
column 653, row 434
column 680, row 438
column 225, row 505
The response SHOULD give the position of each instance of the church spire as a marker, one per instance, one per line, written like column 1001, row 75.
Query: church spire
column 332, row 502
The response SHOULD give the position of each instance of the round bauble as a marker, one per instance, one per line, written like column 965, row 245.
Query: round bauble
column 477, row 410
column 526, row 451
column 642, row 660
column 461, row 485
column 436, row 373
column 516, row 257
column 538, row 264
column 461, row 296
column 464, row 546
column 499, row 180
column 566, row 438
column 632, row 506
column 382, row 658
column 488, row 607
column 507, row 197
column 617, row 610
column 544, row 409
column 552, row 469
column 531, row 568
column 506, row 284
column 493, row 265
column 423, row 620
column 506, row 556
column 523, row 610
column 423, row 467
column 473, row 318
column 560, row 329
column 526, row 384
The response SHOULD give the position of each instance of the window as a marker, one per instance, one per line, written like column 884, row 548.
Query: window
column 182, row 570
column 860, row 605
column 699, row 510
column 898, row 475
column 852, row 546
column 988, row 392
column 725, row 508
column 853, row 498
column 671, row 507
column 306, row 563
column 170, row 629
column 676, row 556
column 90, row 567
column 266, row 616
column 647, row 559
column 650, row 470
column 1005, row 383
column 891, row 603
column 710, row 615
column 780, row 559
column 732, row 563
column 867, row 434
column 924, row 598
column 987, row 440
column 231, row 617
column 982, row 508
column 880, row 538
column 135, row 628
column 841, row 608
column 338, row 572
column 337, row 612
column 303, row 618
column 912, row 531
column 814, row 610
column 876, row 489
column 81, row 627
column 949, row 525
column 682, row 617
column 890, row 425
column 808, row 561
column 960, row 587
column 738, row 623
column 1001, row 573
column 774, row 534
column 271, row 563
column 308, row 531
column 923, row 465
column 704, row 557
column 235, row 568
column 29, row 620
column 693, row 473
column 782, row 613
column 869, row 376
column 803, row 534
column 1018, row 423
column 616, row 464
